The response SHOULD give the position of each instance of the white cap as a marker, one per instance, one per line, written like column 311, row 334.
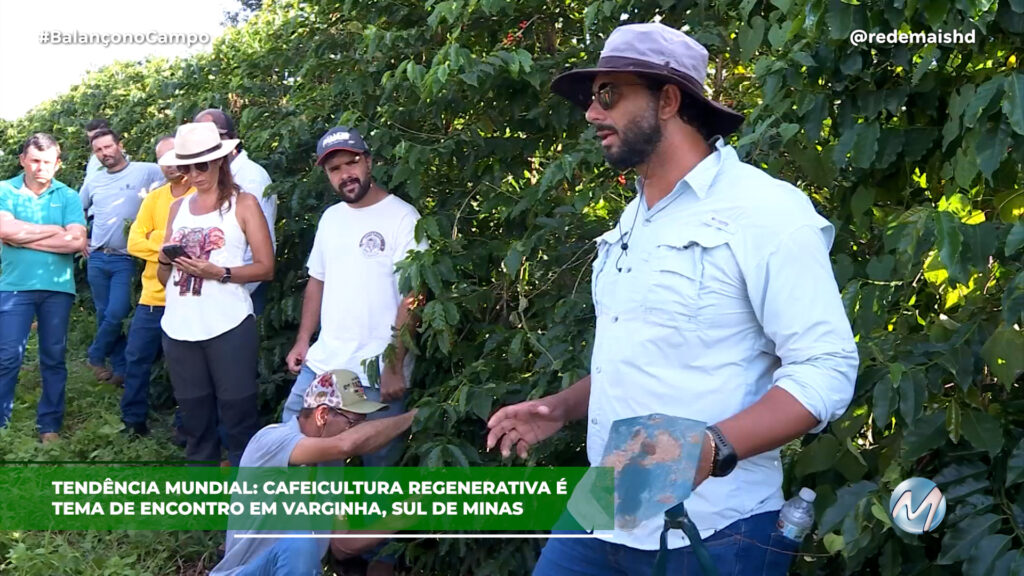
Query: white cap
column 807, row 494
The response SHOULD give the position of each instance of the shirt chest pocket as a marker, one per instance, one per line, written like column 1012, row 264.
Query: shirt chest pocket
column 601, row 278
column 677, row 272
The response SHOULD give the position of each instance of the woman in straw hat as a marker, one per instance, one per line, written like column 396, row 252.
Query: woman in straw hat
column 210, row 338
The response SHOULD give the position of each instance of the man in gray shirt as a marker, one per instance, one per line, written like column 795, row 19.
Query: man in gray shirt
column 331, row 427
column 111, row 198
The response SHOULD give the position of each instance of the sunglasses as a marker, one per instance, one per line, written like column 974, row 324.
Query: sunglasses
column 199, row 167
column 608, row 94
column 351, row 421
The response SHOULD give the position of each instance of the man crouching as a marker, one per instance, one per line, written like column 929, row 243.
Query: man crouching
column 330, row 427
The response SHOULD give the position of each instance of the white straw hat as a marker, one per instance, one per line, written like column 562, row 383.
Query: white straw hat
column 197, row 142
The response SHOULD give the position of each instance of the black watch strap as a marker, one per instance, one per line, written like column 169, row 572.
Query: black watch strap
column 725, row 455
column 227, row 276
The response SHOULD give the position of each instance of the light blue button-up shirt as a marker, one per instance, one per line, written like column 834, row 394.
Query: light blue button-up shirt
column 726, row 290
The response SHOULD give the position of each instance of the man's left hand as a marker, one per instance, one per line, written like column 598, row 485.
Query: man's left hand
column 392, row 385
column 199, row 268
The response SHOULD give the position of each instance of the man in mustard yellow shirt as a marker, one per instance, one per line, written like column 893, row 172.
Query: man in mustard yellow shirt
column 144, row 336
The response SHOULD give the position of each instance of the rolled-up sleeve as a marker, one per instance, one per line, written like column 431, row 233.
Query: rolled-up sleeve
column 794, row 294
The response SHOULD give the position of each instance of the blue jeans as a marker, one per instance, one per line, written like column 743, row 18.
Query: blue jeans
column 53, row 311
column 749, row 546
column 142, row 350
column 298, row 556
column 386, row 456
column 110, row 279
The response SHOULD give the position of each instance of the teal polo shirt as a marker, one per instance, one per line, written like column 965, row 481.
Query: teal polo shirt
column 27, row 269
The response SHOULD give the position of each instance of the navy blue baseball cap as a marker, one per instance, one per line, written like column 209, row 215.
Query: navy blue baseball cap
column 340, row 138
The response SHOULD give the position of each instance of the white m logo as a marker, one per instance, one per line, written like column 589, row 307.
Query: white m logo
column 932, row 501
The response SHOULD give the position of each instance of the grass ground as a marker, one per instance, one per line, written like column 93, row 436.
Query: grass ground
column 92, row 433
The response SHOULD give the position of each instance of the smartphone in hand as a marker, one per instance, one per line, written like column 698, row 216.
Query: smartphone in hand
column 173, row 251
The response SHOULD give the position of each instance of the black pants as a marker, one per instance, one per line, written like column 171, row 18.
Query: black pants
column 215, row 384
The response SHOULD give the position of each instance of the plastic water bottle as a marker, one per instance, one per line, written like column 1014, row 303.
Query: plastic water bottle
column 797, row 515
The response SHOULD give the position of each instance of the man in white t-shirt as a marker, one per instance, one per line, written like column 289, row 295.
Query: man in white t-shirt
column 352, row 294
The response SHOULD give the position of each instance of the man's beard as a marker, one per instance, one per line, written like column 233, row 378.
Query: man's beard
column 360, row 193
column 111, row 161
column 637, row 141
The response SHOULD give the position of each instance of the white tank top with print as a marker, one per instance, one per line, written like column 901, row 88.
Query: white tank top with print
column 202, row 308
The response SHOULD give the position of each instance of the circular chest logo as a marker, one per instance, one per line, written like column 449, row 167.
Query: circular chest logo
column 372, row 244
column 917, row 506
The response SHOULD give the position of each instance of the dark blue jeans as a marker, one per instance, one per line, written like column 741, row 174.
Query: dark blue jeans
column 748, row 547
column 144, row 345
column 53, row 311
column 259, row 298
column 110, row 279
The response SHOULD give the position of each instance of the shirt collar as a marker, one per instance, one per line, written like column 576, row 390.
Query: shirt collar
column 703, row 174
column 700, row 179
column 18, row 182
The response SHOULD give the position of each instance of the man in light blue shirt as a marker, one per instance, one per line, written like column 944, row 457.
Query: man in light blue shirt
column 715, row 301
column 91, row 128
column 41, row 227
column 112, row 198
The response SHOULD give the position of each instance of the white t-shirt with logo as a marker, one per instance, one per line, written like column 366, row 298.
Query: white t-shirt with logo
column 354, row 255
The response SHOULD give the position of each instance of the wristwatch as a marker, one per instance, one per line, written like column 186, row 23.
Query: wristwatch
column 227, row 276
column 724, row 454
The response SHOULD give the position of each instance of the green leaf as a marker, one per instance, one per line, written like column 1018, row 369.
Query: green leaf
column 983, row 431
column 750, row 37
column 982, row 96
column 1013, row 101
column 950, row 243
column 889, row 563
column 833, row 543
column 818, row 455
column 1013, row 303
column 1015, row 239
column 959, row 471
column 1002, row 353
column 839, row 19
column 513, row 260
column 954, row 421
column 973, row 505
column 850, row 65
column 1015, row 465
column 992, row 147
column 965, row 167
column 880, row 268
column 804, row 58
column 865, row 144
column 959, row 542
column 862, row 200
column 912, row 395
column 928, row 59
column 984, row 555
column 1009, row 564
column 927, row 433
column 847, row 499
column 480, row 403
column 788, row 130
column 777, row 35
column 883, row 400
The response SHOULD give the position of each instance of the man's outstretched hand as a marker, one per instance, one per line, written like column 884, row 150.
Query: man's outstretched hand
column 522, row 425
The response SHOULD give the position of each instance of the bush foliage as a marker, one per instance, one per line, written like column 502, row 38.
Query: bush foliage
column 914, row 152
